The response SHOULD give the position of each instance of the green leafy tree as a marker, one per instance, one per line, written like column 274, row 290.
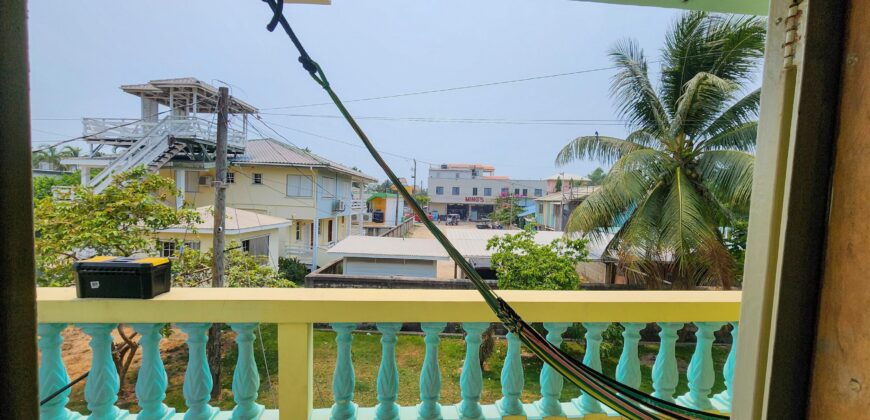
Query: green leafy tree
column 52, row 156
column 43, row 185
column 193, row 268
column 521, row 263
column 118, row 221
column 558, row 184
column 423, row 199
column 293, row 270
column 506, row 210
column 596, row 176
column 684, row 172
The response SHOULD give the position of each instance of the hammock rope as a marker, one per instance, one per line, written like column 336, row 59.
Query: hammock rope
column 627, row 401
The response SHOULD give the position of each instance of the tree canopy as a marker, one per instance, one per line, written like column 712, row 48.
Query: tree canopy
column 684, row 173
column 521, row 263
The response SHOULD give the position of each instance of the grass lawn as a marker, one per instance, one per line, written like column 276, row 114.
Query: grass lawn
column 409, row 352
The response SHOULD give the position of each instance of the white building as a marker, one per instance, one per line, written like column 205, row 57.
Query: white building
column 471, row 190
column 380, row 256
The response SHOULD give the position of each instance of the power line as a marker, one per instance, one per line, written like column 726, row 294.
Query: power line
column 449, row 120
column 451, row 89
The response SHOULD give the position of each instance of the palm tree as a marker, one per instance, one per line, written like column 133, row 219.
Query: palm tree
column 684, row 172
column 51, row 156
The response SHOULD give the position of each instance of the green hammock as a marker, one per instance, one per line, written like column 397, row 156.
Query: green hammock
column 627, row 401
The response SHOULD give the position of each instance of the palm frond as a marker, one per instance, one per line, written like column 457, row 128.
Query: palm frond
column 637, row 101
column 603, row 209
column 728, row 175
column 740, row 112
column 740, row 137
column 601, row 148
column 703, row 98
column 685, row 223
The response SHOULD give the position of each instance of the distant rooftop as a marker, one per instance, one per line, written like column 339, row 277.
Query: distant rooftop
column 184, row 92
column 574, row 193
column 385, row 247
column 236, row 222
column 567, row 177
column 480, row 166
column 274, row 152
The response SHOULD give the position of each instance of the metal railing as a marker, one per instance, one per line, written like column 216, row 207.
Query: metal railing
column 180, row 126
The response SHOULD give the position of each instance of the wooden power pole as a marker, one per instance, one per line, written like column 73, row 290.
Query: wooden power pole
column 220, row 206
column 220, row 192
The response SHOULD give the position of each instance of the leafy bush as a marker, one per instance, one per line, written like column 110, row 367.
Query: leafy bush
column 193, row 268
column 521, row 263
column 293, row 270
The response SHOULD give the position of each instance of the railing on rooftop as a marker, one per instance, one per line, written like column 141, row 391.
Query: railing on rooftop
column 296, row 310
column 401, row 230
column 125, row 129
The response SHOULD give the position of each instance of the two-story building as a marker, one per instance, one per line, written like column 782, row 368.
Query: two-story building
column 472, row 190
column 321, row 198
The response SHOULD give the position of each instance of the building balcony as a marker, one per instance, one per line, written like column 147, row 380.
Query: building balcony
column 295, row 311
column 123, row 131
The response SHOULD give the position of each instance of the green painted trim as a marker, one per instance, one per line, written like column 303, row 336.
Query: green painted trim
column 747, row 7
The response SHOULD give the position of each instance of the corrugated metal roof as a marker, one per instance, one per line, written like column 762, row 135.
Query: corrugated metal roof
column 236, row 221
column 383, row 247
column 274, row 152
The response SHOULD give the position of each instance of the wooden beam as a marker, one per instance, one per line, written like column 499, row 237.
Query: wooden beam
column 841, row 364
column 746, row 7
column 18, row 367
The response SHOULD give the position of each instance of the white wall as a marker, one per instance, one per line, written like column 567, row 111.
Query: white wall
column 355, row 266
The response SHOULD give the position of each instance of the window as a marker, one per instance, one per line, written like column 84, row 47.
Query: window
column 474, row 191
column 329, row 231
column 298, row 186
column 191, row 181
column 539, row 192
column 487, row 192
column 194, row 245
column 167, row 248
column 231, row 177
column 525, row 192
column 505, row 191
column 298, row 231
column 516, row 191
column 455, row 191
column 457, row 175
column 258, row 179
column 439, row 190
column 326, row 185
column 256, row 246
column 541, row 208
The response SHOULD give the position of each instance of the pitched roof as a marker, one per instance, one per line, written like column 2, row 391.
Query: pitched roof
column 384, row 247
column 274, row 152
column 236, row 222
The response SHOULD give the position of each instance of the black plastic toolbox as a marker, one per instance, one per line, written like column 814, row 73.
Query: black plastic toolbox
column 122, row 277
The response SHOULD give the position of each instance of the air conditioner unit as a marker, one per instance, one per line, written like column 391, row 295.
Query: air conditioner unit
column 338, row 206
column 205, row 180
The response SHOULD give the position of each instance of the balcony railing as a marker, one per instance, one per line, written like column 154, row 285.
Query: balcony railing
column 124, row 129
column 296, row 310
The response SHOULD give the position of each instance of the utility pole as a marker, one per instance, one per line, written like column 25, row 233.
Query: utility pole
column 220, row 192
column 415, row 177
column 220, row 204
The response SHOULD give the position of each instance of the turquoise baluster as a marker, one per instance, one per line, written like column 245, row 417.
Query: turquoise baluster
column 151, row 384
column 700, row 372
column 388, row 373
column 665, row 374
column 52, row 374
column 471, row 378
column 197, row 379
column 551, row 380
column 101, row 389
column 430, row 373
column 343, row 379
column 512, row 379
column 246, row 377
column 592, row 358
column 628, row 368
column 722, row 400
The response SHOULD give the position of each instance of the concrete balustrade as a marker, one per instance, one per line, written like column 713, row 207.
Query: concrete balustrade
column 295, row 311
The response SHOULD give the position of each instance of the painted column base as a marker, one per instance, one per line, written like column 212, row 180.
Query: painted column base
column 209, row 413
column 722, row 402
column 556, row 411
column 253, row 414
column 687, row 400
column 439, row 416
column 349, row 413
column 505, row 414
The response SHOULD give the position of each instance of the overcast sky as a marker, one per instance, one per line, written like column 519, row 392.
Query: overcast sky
column 80, row 53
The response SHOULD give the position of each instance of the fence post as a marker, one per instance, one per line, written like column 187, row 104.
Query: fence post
column 295, row 371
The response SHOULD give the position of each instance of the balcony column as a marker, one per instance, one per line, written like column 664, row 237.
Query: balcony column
column 388, row 373
column 512, row 379
column 551, row 380
column 101, row 389
column 343, row 379
column 722, row 400
column 152, row 382
column 197, row 378
column 700, row 372
column 592, row 358
column 628, row 368
column 180, row 179
column 430, row 374
column 52, row 374
column 471, row 378
column 665, row 374
column 246, row 378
